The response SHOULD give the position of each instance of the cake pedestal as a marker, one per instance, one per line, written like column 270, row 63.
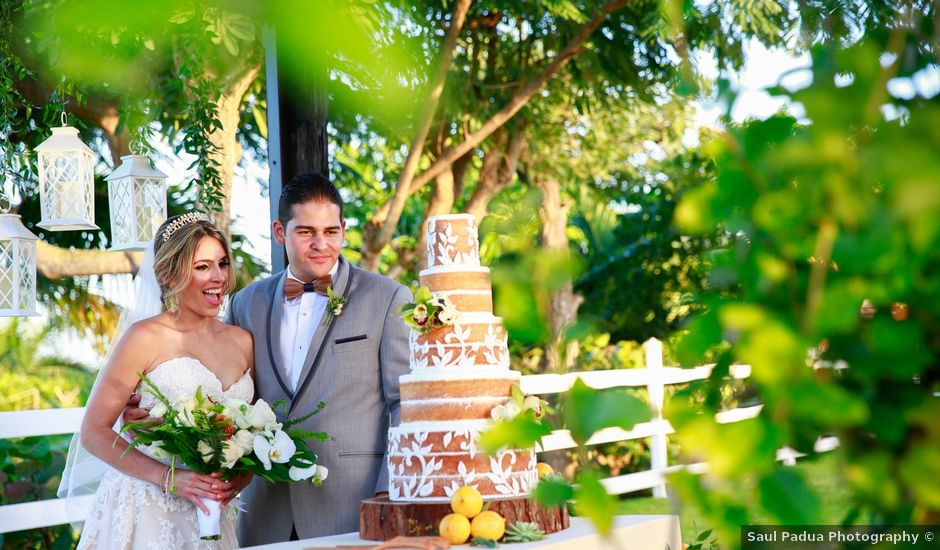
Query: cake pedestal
column 383, row 519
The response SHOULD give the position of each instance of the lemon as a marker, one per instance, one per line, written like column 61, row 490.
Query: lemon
column 467, row 501
column 455, row 528
column 488, row 525
column 543, row 469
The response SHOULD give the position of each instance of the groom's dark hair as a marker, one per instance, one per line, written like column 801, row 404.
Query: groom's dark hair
column 304, row 188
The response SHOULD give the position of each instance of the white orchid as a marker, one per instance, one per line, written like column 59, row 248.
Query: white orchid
column 261, row 417
column 280, row 448
column 298, row 473
column 447, row 316
column 533, row 403
column 505, row 412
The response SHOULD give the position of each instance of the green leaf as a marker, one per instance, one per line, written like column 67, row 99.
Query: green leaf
column 521, row 432
column 588, row 410
column 786, row 494
column 592, row 500
column 486, row 543
column 553, row 492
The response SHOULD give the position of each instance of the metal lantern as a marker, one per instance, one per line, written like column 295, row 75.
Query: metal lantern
column 137, row 200
column 66, row 181
column 17, row 267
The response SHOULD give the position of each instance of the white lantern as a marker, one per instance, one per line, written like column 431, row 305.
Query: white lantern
column 137, row 200
column 17, row 267
column 66, row 181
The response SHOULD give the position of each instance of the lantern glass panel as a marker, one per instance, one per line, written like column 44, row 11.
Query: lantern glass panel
column 120, row 200
column 7, row 272
column 152, row 207
column 27, row 276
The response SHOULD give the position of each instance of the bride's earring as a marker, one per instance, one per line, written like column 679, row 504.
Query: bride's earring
column 169, row 302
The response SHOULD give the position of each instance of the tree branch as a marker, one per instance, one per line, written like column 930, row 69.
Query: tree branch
column 403, row 189
column 388, row 218
column 56, row 262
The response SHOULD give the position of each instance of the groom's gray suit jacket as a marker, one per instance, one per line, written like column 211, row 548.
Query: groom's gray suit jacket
column 352, row 365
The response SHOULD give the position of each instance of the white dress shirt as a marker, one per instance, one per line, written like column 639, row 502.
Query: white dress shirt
column 298, row 325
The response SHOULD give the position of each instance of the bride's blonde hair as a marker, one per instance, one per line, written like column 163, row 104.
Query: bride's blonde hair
column 173, row 251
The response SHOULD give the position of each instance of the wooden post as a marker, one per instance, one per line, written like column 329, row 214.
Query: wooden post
column 298, row 112
column 656, row 388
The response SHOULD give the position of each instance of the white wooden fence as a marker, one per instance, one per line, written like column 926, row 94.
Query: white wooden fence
column 654, row 377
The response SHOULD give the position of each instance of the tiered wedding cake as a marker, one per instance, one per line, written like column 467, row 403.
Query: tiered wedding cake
column 459, row 372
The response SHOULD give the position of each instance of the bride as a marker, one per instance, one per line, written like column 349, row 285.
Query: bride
column 180, row 348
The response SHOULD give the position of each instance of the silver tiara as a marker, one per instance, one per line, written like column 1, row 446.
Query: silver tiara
column 185, row 219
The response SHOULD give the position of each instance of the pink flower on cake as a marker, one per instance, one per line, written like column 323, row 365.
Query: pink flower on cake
column 420, row 314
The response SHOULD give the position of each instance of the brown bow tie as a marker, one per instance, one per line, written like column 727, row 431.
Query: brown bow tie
column 293, row 288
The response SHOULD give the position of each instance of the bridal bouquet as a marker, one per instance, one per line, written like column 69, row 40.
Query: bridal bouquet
column 232, row 437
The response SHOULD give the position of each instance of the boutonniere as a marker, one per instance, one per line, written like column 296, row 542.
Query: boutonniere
column 334, row 305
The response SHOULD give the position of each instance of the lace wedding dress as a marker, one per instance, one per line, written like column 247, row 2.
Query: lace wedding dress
column 130, row 513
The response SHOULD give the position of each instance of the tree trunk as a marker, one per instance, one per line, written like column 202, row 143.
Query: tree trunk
column 563, row 303
column 227, row 149
column 387, row 215
column 498, row 173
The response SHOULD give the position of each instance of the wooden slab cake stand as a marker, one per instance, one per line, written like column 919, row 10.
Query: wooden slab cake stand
column 383, row 519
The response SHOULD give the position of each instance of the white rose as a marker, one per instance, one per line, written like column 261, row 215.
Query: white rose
column 338, row 310
column 184, row 405
column 157, row 452
column 261, row 416
column 235, row 409
column 158, row 411
column 321, row 474
column 231, row 452
column 245, row 440
column 205, row 450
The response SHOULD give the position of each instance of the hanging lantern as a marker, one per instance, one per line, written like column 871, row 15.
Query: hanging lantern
column 17, row 266
column 66, row 181
column 137, row 200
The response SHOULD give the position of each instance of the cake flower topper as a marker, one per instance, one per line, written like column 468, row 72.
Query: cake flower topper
column 428, row 311
column 334, row 305
column 520, row 403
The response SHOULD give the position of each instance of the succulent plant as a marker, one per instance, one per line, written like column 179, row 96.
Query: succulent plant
column 523, row 531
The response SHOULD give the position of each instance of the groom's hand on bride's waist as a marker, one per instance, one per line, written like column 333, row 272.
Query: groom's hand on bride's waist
column 133, row 413
column 132, row 410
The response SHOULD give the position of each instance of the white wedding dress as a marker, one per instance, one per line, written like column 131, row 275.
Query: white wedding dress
column 129, row 513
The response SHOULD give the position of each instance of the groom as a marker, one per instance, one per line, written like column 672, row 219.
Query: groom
column 303, row 354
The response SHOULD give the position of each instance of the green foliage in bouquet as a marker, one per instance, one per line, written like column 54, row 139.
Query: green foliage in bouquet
column 230, row 437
